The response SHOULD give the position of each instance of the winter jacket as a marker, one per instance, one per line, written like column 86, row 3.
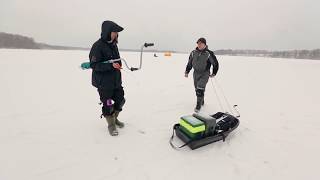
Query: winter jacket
column 104, row 76
column 201, row 61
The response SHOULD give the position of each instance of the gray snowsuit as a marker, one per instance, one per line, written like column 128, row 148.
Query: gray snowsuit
column 201, row 61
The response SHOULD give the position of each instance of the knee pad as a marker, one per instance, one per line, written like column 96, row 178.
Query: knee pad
column 199, row 92
column 108, row 107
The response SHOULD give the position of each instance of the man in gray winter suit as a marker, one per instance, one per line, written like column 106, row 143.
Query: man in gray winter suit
column 201, row 60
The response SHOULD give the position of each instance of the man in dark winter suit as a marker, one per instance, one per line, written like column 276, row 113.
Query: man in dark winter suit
column 106, row 75
column 201, row 60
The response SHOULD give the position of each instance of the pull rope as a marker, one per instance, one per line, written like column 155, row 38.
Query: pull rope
column 225, row 98
column 219, row 100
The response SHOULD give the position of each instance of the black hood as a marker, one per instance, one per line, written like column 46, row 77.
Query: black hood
column 108, row 27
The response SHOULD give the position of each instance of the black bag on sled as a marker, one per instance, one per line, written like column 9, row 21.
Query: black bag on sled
column 216, row 127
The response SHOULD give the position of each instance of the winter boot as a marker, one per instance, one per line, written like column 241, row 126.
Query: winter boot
column 118, row 123
column 112, row 125
column 197, row 108
column 199, row 103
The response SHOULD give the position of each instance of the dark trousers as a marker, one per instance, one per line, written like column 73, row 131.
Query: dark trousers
column 116, row 95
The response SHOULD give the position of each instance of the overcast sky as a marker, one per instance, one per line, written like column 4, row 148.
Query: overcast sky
column 170, row 24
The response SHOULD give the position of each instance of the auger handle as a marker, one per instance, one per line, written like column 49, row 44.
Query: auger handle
column 148, row 44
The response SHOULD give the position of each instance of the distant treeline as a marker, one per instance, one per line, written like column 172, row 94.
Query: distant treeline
column 151, row 50
column 15, row 41
column 294, row 54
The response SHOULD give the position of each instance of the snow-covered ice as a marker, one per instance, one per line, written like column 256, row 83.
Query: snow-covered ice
column 50, row 126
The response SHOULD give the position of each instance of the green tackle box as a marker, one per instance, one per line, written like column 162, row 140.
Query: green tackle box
column 192, row 127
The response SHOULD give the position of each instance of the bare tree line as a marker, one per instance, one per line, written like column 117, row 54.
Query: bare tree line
column 22, row 42
column 294, row 54
column 15, row 41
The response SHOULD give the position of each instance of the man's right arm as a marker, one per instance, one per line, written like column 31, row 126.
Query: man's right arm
column 189, row 65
